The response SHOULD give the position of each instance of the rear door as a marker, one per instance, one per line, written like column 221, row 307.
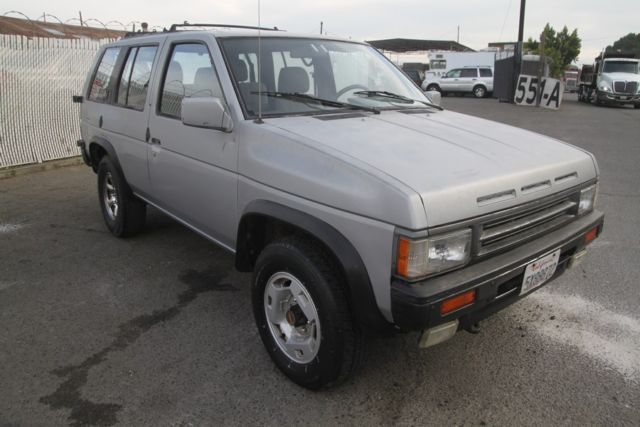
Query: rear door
column 127, row 117
column 193, row 170
column 468, row 78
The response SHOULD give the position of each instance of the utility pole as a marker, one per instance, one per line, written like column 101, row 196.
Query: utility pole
column 518, row 53
column 458, row 39
column 321, row 23
column 541, row 67
column 80, row 13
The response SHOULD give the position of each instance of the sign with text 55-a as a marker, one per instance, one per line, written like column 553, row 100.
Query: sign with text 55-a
column 528, row 87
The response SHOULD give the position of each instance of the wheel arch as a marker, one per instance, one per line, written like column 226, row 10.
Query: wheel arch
column 263, row 221
column 98, row 148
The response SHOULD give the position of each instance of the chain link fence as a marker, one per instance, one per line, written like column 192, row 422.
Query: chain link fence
column 38, row 76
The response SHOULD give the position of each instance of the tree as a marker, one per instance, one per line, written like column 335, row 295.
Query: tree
column 561, row 47
column 627, row 44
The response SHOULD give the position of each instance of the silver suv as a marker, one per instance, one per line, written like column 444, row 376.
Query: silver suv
column 475, row 80
column 358, row 204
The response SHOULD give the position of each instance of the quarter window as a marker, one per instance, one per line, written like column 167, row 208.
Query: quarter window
column 101, row 84
column 486, row 72
column 189, row 74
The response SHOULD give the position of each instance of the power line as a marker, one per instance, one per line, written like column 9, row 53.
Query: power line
column 506, row 15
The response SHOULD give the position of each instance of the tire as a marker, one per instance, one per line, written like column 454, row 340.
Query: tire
column 636, row 106
column 479, row 91
column 123, row 213
column 433, row 87
column 289, row 271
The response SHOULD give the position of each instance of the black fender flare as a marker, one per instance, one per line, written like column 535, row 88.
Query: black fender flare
column 363, row 300
column 111, row 152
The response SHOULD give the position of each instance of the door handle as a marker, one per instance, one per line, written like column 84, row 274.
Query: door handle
column 155, row 141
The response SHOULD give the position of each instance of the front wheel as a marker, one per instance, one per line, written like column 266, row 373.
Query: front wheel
column 300, row 308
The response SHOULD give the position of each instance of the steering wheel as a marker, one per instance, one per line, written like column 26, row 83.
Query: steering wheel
column 350, row 88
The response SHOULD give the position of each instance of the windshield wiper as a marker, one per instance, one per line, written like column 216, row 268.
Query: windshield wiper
column 395, row 96
column 303, row 97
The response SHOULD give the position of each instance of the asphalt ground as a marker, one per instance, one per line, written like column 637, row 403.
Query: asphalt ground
column 157, row 329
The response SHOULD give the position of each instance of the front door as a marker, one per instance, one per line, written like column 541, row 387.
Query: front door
column 192, row 170
column 450, row 81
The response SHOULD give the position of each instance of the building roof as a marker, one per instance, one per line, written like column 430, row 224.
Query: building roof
column 414, row 45
column 30, row 28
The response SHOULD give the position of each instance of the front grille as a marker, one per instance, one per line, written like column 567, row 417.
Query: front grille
column 517, row 228
column 625, row 87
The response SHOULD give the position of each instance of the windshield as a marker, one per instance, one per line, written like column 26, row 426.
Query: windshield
column 332, row 71
column 620, row 67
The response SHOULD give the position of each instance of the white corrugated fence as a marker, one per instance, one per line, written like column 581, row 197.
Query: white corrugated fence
column 38, row 77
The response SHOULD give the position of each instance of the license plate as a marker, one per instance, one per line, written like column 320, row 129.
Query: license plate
column 539, row 271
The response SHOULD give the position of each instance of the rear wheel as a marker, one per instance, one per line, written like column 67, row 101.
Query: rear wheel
column 433, row 87
column 124, row 214
column 479, row 91
column 300, row 308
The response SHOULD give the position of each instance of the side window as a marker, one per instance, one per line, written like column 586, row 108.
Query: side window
column 453, row 73
column 101, row 83
column 486, row 72
column 134, row 81
column 469, row 72
column 140, row 76
column 123, row 86
column 189, row 74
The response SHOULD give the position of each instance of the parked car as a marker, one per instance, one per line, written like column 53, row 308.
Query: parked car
column 357, row 202
column 475, row 80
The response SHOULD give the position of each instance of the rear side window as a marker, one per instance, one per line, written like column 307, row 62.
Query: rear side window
column 189, row 74
column 101, row 84
column 486, row 72
column 469, row 72
column 134, row 81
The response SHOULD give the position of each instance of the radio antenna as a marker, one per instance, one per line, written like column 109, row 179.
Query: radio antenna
column 259, row 119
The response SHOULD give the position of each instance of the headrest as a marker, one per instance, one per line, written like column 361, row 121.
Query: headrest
column 240, row 70
column 293, row 80
column 174, row 73
column 204, row 78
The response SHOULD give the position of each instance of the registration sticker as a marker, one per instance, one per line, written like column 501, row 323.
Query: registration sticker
column 539, row 271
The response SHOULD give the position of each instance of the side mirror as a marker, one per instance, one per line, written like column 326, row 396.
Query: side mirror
column 434, row 97
column 207, row 112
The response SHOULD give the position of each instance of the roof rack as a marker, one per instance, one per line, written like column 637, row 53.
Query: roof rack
column 175, row 27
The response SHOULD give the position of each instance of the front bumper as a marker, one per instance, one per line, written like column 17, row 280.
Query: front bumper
column 497, row 280
column 618, row 98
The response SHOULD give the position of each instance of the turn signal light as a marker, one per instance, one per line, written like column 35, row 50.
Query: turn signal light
column 591, row 235
column 459, row 301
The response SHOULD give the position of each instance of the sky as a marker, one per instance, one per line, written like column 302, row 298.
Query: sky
column 599, row 22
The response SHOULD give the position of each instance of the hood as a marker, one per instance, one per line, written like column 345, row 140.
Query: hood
column 612, row 77
column 461, row 166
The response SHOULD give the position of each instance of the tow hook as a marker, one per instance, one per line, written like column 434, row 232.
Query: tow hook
column 473, row 329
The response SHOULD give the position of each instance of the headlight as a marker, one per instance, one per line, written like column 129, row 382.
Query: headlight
column 604, row 87
column 587, row 199
column 422, row 257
